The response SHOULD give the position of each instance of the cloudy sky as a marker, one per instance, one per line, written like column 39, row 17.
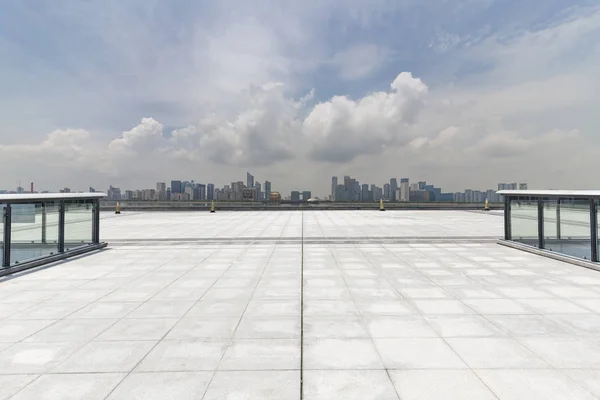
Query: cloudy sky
column 462, row 93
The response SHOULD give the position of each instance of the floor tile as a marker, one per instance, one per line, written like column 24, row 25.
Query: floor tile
column 462, row 326
column 254, row 385
column 138, row 329
column 34, row 358
column 162, row 386
column 334, row 327
column 262, row 354
column 106, row 310
column 70, row 387
column 268, row 328
column 565, row 352
column 17, row 330
column 527, row 384
column 113, row 356
column 399, row 326
column 341, row 354
column 72, row 330
column 495, row 353
column 440, row 385
column 11, row 384
column 184, row 355
column 442, row 307
column 161, row 310
column 48, row 311
column 411, row 353
column 348, row 385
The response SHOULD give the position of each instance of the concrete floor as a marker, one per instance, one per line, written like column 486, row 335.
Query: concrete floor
column 360, row 305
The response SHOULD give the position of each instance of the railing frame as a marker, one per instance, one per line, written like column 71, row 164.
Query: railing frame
column 593, row 198
column 62, row 201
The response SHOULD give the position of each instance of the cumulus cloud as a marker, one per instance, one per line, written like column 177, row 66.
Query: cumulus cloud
column 341, row 129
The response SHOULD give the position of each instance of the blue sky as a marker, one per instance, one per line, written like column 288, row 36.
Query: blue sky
column 221, row 87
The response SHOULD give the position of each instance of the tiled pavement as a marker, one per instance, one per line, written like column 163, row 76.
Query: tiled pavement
column 427, row 320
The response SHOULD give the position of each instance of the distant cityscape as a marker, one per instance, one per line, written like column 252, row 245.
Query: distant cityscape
column 350, row 190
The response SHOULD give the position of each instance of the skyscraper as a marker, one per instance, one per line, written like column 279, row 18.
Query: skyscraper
column 258, row 194
column 334, row 183
column 176, row 187
column 161, row 191
column 386, row 191
column 249, row 180
column 393, row 189
column 404, row 189
column 210, row 192
column 267, row 190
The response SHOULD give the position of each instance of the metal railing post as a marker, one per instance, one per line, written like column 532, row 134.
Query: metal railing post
column 61, row 227
column 558, row 234
column 6, row 220
column 594, row 229
column 507, row 217
column 44, row 224
column 96, row 222
column 540, row 223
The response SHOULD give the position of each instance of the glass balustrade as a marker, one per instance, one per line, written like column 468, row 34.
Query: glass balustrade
column 39, row 228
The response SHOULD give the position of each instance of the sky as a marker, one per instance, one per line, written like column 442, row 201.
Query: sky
column 461, row 93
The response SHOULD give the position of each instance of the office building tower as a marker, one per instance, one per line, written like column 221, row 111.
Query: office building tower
column 161, row 191
column 257, row 189
column 386, row 191
column 393, row 189
column 189, row 192
column 113, row 193
column 522, row 186
column 210, row 192
column 334, row 183
column 295, row 196
column 267, row 190
column 422, row 185
column 176, row 187
column 306, row 195
column 340, row 193
column 249, row 180
column 404, row 189
column 364, row 192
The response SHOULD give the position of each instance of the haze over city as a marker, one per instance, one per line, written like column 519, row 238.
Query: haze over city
column 464, row 93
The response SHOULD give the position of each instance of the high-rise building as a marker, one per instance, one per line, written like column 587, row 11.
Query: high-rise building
column 176, row 187
column 422, row 185
column 189, row 191
column 249, row 180
column 522, row 186
column 386, row 191
column 257, row 189
column 161, row 191
column 404, row 189
column 364, row 192
column 295, row 196
column 393, row 189
column 113, row 193
column 267, row 190
column 210, row 192
column 306, row 195
column 340, row 193
column 334, row 183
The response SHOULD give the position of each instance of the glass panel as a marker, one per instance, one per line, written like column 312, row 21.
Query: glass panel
column 78, row 224
column 550, row 221
column 574, row 238
column 28, row 240
column 523, row 221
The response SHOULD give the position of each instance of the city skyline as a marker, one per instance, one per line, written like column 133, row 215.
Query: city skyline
column 475, row 92
column 350, row 189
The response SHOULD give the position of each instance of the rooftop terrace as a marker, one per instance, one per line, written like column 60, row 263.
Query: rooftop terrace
column 313, row 305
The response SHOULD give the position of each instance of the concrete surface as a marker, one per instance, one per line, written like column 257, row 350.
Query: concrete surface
column 244, row 305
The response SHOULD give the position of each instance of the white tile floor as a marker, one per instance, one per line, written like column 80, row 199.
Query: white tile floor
column 162, row 315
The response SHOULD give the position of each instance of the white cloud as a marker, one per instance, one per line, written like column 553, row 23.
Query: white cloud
column 341, row 129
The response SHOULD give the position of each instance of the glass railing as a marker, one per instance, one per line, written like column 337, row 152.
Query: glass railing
column 40, row 228
column 557, row 221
